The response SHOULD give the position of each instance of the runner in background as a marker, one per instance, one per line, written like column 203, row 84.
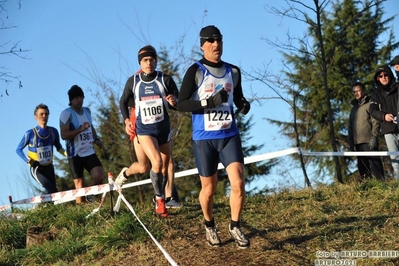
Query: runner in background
column 40, row 141
column 77, row 130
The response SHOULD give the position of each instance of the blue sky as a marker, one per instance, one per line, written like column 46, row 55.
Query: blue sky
column 67, row 37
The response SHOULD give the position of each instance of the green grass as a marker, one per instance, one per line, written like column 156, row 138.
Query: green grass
column 285, row 228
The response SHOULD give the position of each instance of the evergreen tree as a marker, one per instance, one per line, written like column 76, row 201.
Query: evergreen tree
column 349, row 38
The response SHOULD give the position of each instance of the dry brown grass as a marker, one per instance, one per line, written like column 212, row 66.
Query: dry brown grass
column 285, row 228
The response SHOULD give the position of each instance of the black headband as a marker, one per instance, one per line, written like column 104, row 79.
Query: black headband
column 147, row 53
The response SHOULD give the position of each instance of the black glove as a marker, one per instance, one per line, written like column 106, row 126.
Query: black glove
column 34, row 163
column 373, row 143
column 215, row 100
column 245, row 106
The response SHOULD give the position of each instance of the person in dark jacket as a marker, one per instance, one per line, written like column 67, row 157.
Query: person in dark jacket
column 395, row 64
column 383, row 107
column 363, row 133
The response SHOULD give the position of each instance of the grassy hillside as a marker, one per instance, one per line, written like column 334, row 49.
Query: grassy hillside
column 287, row 228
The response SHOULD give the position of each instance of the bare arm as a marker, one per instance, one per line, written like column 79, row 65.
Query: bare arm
column 67, row 133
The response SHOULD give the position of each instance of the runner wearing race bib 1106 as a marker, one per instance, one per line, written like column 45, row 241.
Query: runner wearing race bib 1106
column 153, row 93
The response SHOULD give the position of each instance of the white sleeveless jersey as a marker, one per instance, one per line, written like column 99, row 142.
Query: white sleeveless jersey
column 82, row 144
column 218, row 122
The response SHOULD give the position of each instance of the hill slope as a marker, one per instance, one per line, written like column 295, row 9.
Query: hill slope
column 287, row 228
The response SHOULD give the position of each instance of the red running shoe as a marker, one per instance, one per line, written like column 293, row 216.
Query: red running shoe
column 160, row 207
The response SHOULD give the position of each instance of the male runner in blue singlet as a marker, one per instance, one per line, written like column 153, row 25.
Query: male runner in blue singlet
column 210, row 88
column 143, row 163
column 40, row 141
column 153, row 93
column 77, row 130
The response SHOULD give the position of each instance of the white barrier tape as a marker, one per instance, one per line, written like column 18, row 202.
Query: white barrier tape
column 270, row 155
column 66, row 194
column 63, row 200
column 111, row 185
column 70, row 195
column 247, row 160
column 99, row 206
column 116, row 208
column 165, row 253
column 252, row 159
column 352, row 153
column 6, row 207
column 117, row 204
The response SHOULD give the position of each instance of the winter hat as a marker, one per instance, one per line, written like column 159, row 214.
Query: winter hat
column 209, row 32
column 395, row 61
column 75, row 91
column 147, row 50
column 386, row 69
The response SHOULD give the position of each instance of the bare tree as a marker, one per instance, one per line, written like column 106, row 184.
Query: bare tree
column 275, row 83
column 9, row 48
column 320, row 59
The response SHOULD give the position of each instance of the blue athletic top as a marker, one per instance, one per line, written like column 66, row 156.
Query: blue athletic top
column 148, row 92
column 202, row 80
column 40, row 142
column 144, row 92
column 151, row 106
column 218, row 122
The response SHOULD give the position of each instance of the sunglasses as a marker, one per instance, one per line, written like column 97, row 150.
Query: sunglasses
column 212, row 39
column 382, row 75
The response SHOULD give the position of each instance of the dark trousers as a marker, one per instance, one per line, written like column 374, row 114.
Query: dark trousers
column 369, row 166
column 45, row 176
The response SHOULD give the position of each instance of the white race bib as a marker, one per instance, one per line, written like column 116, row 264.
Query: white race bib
column 218, row 118
column 151, row 111
column 85, row 138
column 44, row 154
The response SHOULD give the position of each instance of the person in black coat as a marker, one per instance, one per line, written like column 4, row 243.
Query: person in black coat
column 384, row 108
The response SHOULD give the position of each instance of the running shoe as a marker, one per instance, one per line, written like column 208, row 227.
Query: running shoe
column 120, row 179
column 239, row 237
column 172, row 204
column 160, row 207
column 212, row 237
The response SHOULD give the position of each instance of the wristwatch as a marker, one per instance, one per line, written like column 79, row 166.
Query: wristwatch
column 204, row 103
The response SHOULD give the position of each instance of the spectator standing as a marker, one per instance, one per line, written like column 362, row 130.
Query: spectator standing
column 383, row 107
column 395, row 64
column 363, row 134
